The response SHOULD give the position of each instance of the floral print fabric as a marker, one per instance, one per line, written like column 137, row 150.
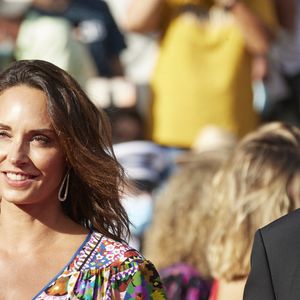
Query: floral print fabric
column 105, row 269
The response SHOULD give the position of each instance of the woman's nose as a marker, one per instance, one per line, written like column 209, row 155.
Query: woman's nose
column 17, row 154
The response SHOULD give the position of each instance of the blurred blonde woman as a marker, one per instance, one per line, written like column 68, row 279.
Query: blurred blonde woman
column 177, row 237
column 259, row 183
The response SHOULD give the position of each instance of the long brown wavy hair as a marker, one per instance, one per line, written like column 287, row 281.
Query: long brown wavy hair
column 85, row 136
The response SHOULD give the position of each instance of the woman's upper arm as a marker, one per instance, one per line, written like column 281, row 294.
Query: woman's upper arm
column 143, row 15
column 138, row 279
column 259, row 283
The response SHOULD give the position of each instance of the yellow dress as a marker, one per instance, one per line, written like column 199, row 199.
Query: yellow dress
column 203, row 74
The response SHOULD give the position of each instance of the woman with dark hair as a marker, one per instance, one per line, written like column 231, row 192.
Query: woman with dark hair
column 60, row 186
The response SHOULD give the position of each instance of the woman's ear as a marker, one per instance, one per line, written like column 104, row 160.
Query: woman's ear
column 293, row 189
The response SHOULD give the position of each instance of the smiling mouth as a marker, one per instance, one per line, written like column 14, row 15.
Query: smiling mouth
column 18, row 176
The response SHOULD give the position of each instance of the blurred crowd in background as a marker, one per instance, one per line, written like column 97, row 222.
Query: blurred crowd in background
column 187, row 85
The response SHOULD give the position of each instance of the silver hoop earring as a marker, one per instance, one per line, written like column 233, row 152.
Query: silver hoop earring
column 64, row 188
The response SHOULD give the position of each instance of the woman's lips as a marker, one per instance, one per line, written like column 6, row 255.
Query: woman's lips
column 18, row 179
column 18, row 176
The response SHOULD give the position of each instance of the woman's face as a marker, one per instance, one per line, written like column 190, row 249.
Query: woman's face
column 32, row 163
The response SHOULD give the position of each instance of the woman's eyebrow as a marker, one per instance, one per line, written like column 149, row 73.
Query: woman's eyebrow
column 37, row 130
column 4, row 126
column 42, row 130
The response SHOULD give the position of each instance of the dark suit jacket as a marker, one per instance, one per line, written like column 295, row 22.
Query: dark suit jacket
column 275, row 261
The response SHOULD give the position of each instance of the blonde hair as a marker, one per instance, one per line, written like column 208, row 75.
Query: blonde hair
column 259, row 183
column 178, row 232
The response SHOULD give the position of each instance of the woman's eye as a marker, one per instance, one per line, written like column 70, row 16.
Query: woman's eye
column 4, row 134
column 41, row 139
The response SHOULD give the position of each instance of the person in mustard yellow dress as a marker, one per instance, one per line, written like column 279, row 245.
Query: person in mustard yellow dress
column 204, row 69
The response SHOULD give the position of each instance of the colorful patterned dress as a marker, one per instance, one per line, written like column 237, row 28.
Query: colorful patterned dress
column 105, row 269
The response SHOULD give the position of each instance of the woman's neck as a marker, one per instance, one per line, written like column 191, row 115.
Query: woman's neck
column 21, row 227
column 230, row 290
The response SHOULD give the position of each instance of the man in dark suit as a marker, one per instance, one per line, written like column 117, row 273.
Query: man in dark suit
column 275, row 261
